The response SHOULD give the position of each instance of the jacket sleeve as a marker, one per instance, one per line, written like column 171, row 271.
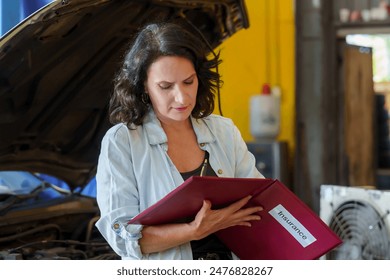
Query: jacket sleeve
column 117, row 194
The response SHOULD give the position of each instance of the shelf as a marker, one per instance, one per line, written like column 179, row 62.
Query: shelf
column 360, row 27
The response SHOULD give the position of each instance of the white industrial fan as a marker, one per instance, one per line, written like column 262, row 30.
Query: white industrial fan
column 361, row 218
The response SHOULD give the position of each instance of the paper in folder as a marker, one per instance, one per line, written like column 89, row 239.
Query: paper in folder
column 288, row 229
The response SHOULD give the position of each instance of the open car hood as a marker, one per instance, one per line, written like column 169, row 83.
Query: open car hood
column 56, row 72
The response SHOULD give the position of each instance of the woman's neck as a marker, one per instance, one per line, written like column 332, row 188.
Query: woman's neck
column 176, row 127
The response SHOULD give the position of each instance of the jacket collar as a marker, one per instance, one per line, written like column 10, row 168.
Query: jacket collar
column 156, row 134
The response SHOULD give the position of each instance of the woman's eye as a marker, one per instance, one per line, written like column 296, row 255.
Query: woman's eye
column 190, row 82
column 165, row 86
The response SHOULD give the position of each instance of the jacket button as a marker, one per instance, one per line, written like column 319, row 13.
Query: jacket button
column 220, row 171
column 116, row 226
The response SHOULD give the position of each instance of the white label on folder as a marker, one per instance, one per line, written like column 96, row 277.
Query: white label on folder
column 292, row 225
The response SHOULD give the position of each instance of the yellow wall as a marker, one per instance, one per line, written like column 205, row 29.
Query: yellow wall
column 262, row 53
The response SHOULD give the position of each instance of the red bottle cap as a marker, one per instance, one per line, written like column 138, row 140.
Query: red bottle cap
column 266, row 89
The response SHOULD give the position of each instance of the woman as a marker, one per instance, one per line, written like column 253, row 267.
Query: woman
column 164, row 130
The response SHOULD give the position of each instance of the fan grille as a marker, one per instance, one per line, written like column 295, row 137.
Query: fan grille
column 363, row 231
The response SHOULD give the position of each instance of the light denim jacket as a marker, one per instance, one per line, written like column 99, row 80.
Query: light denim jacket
column 134, row 171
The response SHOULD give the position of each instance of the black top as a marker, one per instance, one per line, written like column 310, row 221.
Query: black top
column 209, row 247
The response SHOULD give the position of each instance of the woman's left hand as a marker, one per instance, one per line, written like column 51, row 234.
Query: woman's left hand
column 208, row 221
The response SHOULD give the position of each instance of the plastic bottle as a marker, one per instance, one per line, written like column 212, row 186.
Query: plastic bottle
column 265, row 114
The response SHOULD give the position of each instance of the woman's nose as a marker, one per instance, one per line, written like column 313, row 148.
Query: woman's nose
column 180, row 95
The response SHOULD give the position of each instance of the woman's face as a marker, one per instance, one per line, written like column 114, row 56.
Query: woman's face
column 172, row 86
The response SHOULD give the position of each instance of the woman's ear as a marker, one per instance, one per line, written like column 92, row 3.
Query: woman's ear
column 146, row 88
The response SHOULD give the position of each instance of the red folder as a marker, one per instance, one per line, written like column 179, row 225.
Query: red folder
column 288, row 230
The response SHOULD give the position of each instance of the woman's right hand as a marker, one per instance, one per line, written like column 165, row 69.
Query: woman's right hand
column 208, row 221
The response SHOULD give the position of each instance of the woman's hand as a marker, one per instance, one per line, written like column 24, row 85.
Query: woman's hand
column 208, row 221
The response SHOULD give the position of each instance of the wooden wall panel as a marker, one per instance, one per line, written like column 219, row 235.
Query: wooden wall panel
column 359, row 115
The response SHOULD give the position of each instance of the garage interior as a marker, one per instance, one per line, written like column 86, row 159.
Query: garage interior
column 328, row 61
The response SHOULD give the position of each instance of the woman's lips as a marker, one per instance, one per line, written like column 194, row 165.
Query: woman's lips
column 181, row 109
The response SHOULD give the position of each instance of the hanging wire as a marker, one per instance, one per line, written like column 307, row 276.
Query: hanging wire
column 277, row 43
column 267, row 41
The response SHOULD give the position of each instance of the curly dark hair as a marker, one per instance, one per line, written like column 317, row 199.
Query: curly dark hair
column 129, row 103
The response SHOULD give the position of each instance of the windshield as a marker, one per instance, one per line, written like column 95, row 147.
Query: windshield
column 18, row 182
column 21, row 189
column 23, row 183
